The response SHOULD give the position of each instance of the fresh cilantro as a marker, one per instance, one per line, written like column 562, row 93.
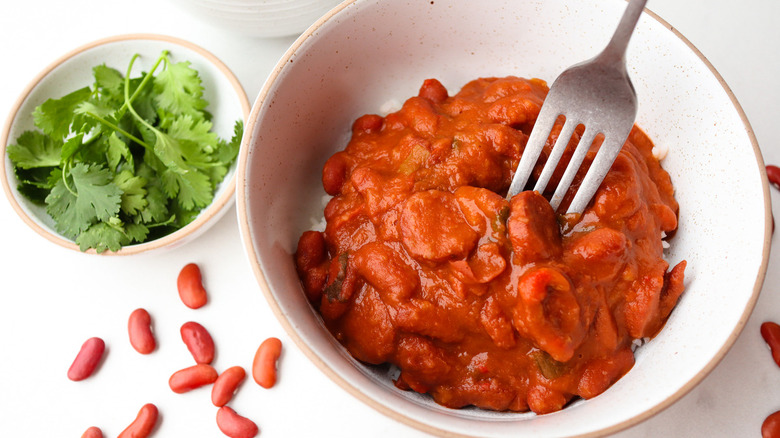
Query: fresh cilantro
column 133, row 192
column 126, row 159
column 83, row 197
column 179, row 90
column 33, row 149
column 50, row 114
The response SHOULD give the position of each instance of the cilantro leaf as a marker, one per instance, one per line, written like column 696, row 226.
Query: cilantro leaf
column 71, row 146
column 108, row 81
column 102, row 236
column 111, row 235
column 196, row 131
column 117, row 149
column 192, row 189
column 35, row 184
column 169, row 151
column 136, row 232
column 133, row 192
column 179, row 90
column 90, row 197
column 156, row 209
column 33, row 149
column 54, row 116
column 228, row 151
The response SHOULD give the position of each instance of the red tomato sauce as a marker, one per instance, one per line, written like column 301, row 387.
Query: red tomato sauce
column 478, row 300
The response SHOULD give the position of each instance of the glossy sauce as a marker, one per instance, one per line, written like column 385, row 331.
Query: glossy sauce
column 481, row 301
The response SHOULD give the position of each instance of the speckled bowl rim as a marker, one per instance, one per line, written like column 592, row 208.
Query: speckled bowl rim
column 243, row 221
column 212, row 211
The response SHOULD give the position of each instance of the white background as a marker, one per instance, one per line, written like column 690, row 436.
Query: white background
column 54, row 299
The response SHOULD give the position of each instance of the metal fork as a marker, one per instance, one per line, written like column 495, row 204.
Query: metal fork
column 597, row 94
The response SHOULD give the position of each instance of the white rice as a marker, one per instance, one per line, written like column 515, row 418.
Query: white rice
column 660, row 151
column 390, row 106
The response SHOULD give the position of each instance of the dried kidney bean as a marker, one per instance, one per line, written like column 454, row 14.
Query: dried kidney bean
column 143, row 424
column 87, row 360
column 771, row 426
column 192, row 377
column 773, row 175
column 190, row 285
column 198, row 342
column 226, row 385
column 234, row 425
column 139, row 328
column 264, row 364
column 93, row 432
column 770, row 331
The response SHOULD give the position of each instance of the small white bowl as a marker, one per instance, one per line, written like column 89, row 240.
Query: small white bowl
column 368, row 52
column 227, row 103
column 259, row 18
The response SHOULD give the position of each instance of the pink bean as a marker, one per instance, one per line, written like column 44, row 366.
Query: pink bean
column 139, row 328
column 87, row 360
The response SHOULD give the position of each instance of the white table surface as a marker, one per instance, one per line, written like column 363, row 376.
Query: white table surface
column 54, row 299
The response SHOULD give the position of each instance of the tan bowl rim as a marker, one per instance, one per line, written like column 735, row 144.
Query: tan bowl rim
column 206, row 215
column 243, row 221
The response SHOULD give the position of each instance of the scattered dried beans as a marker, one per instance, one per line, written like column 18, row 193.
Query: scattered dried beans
column 264, row 364
column 770, row 331
column 226, row 385
column 234, row 425
column 143, row 424
column 139, row 328
column 190, row 285
column 198, row 342
column 192, row 377
column 87, row 360
column 201, row 345
column 92, row 432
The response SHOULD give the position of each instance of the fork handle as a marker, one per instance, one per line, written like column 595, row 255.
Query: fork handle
column 616, row 49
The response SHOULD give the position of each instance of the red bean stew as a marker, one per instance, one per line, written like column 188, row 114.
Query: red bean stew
column 504, row 305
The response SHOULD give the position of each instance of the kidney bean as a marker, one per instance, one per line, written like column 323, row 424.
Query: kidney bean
column 334, row 173
column 771, row 426
column 139, row 327
column 226, row 385
column 93, row 432
column 264, row 364
column 198, row 341
column 234, row 425
column 143, row 424
column 368, row 123
column 434, row 91
column 192, row 377
column 87, row 360
column 190, row 286
column 770, row 331
column 773, row 175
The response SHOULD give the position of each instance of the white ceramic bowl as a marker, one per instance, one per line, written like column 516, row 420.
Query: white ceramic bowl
column 371, row 51
column 259, row 18
column 227, row 103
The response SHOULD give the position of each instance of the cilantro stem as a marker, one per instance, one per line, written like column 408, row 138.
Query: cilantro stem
column 127, row 91
column 144, row 81
column 162, row 224
column 65, row 171
column 118, row 129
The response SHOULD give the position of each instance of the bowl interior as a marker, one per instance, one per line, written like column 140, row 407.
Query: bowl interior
column 259, row 18
column 227, row 103
column 368, row 53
